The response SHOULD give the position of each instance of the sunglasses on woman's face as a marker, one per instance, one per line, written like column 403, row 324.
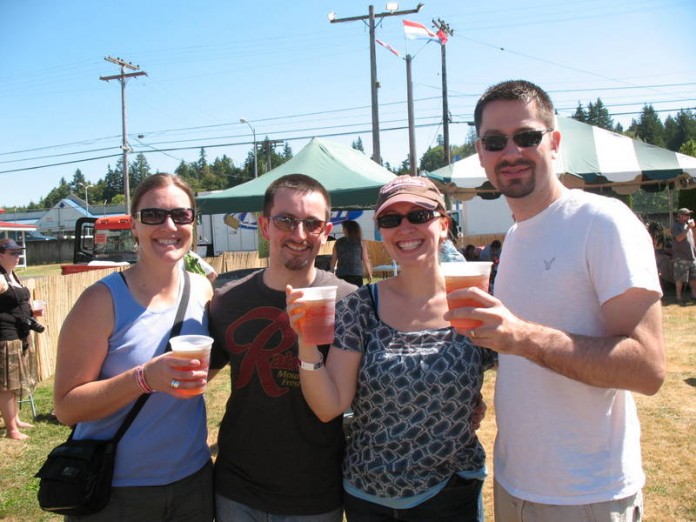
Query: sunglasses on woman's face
column 524, row 139
column 415, row 217
column 156, row 216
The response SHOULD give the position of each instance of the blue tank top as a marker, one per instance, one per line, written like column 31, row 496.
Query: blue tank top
column 168, row 439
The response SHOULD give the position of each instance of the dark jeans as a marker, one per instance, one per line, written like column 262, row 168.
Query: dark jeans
column 458, row 501
column 187, row 500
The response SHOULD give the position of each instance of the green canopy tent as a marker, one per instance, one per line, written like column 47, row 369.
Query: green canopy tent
column 590, row 157
column 352, row 179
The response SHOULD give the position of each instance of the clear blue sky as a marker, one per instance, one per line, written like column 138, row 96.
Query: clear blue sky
column 293, row 75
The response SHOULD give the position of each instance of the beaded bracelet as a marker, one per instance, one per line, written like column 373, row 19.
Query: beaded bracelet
column 140, row 379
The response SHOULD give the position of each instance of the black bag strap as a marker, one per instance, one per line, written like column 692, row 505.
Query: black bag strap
column 176, row 329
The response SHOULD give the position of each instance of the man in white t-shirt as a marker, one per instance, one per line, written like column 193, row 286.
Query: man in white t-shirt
column 577, row 322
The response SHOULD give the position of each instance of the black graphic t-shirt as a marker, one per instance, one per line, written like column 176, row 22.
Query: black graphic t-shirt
column 273, row 452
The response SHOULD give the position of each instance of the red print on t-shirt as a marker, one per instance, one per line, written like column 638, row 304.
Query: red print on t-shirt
column 259, row 356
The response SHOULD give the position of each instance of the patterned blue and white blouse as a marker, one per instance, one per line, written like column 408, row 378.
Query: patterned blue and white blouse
column 411, row 427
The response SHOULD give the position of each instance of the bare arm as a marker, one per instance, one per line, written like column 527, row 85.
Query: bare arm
column 79, row 394
column 631, row 356
column 329, row 391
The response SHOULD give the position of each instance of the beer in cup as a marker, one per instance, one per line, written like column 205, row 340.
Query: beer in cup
column 38, row 306
column 465, row 275
column 319, row 306
column 192, row 347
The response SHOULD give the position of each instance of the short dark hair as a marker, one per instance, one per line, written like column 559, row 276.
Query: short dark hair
column 516, row 90
column 157, row 181
column 299, row 182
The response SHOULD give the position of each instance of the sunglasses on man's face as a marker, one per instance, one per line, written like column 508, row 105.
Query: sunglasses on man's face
column 524, row 139
column 415, row 217
column 15, row 253
column 156, row 216
column 289, row 224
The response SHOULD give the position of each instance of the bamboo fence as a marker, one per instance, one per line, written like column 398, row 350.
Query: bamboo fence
column 60, row 292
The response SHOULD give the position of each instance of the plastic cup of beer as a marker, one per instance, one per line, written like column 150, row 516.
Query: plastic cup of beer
column 465, row 275
column 319, row 306
column 38, row 306
column 192, row 347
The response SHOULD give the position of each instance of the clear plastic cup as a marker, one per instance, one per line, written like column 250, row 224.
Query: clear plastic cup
column 38, row 307
column 465, row 275
column 319, row 305
column 192, row 347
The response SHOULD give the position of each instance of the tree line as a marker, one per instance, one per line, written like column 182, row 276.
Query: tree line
column 676, row 133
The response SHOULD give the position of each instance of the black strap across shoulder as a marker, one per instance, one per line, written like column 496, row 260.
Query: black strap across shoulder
column 176, row 329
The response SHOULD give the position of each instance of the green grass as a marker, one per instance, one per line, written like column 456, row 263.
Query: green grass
column 668, row 422
column 21, row 459
column 39, row 271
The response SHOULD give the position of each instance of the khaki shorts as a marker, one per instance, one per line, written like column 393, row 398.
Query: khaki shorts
column 513, row 509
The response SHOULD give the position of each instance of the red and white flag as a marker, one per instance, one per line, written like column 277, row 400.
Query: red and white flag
column 384, row 44
column 416, row 31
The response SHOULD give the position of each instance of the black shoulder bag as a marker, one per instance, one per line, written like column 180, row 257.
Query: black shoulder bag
column 76, row 477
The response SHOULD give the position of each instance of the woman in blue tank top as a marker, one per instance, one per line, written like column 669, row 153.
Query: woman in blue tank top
column 112, row 349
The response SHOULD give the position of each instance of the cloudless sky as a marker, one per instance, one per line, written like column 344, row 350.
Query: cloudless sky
column 293, row 75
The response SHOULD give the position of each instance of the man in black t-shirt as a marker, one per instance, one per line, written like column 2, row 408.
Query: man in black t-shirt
column 275, row 457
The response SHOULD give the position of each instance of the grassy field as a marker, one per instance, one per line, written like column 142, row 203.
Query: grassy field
column 668, row 421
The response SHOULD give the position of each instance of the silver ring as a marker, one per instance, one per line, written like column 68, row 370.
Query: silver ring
column 472, row 334
column 174, row 384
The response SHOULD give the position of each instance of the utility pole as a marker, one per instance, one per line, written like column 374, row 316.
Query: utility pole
column 124, row 143
column 374, row 84
column 270, row 145
column 411, row 120
column 443, row 28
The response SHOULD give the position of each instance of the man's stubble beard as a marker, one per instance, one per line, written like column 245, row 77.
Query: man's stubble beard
column 516, row 188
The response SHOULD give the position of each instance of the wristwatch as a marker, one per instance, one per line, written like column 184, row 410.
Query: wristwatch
column 312, row 367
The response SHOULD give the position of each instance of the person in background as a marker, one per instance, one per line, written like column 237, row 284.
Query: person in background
column 470, row 253
column 413, row 383
column 684, row 254
column 276, row 460
column 577, row 324
column 17, row 367
column 111, row 350
column 350, row 259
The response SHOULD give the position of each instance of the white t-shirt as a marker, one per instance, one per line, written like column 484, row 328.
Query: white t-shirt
column 561, row 441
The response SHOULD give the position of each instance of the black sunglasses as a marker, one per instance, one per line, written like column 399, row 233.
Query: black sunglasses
column 524, row 139
column 415, row 217
column 288, row 224
column 15, row 253
column 156, row 216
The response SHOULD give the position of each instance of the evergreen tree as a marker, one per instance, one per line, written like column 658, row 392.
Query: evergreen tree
column 113, row 182
column 680, row 129
column 138, row 170
column 598, row 115
column 358, row 144
column 649, row 128
column 62, row 191
column 580, row 113
column 77, row 185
